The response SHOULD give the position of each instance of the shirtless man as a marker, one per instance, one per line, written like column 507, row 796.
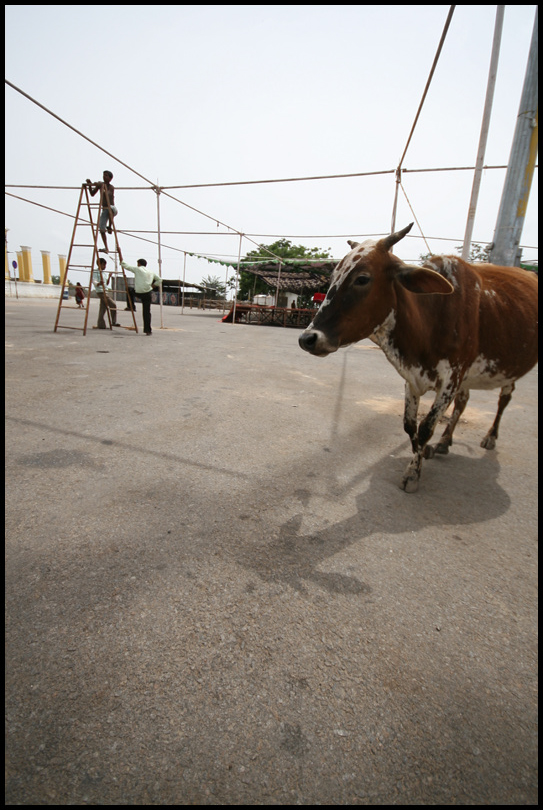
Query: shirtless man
column 107, row 192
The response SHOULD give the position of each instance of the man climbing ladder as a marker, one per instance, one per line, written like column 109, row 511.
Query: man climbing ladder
column 107, row 202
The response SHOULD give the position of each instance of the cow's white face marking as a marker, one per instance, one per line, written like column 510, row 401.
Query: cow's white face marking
column 345, row 266
column 350, row 261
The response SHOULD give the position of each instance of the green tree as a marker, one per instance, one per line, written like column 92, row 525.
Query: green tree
column 56, row 280
column 215, row 288
column 250, row 285
column 477, row 253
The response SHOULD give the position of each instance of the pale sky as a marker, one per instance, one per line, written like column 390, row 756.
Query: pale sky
column 214, row 94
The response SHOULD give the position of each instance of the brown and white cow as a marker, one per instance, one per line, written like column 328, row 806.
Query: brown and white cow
column 447, row 327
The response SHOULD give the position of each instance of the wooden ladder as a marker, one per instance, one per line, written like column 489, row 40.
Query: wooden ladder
column 84, row 220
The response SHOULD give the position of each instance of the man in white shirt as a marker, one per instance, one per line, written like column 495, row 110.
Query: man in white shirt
column 106, row 302
column 145, row 281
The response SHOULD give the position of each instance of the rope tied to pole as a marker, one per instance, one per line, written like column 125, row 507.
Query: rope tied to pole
column 432, row 71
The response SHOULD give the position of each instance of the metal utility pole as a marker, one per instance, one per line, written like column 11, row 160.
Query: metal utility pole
column 520, row 169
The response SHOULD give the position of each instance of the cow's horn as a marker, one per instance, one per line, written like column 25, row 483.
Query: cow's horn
column 352, row 244
column 391, row 240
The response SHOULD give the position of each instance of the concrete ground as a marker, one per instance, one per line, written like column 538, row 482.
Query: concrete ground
column 218, row 594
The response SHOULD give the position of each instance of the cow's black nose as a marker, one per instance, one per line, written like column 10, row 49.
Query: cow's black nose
column 307, row 341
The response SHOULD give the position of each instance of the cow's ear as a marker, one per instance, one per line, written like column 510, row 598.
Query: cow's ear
column 352, row 244
column 422, row 280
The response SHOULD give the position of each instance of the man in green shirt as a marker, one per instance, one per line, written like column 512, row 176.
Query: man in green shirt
column 145, row 281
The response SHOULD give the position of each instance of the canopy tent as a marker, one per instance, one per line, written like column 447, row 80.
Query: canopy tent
column 292, row 276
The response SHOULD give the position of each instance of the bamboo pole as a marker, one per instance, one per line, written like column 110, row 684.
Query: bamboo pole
column 157, row 189
column 492, row 73
column 237, row 280
column 184, row 268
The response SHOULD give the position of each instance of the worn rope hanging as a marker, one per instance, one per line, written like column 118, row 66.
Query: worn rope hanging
column 132, row 233
column 415, row 218
column 153, row 186
column 274, row 180
column 164, row 189
column 434, row 65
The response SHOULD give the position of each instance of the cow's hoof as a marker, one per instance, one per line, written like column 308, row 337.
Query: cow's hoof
column 489, row 443
column 442, row 448
column 410, row 483
column 429, row 451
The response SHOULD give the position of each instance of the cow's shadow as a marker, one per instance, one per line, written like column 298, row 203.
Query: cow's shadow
column 455, row 490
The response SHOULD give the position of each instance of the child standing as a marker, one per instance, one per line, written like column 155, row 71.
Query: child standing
column 79, row 295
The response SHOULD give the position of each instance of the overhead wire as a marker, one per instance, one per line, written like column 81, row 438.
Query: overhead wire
column 66, row 124
column 328, row 177
column 415, row 218
column 86, row 222
column 425, row 93
column 234, row 231
column 429, row 81
column 153, row 185
column 133, row 233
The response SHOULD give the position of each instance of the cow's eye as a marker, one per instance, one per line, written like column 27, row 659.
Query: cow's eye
column 361, row 281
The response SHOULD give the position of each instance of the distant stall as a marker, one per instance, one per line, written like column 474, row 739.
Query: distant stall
column 300, row 277
column 293, row 281
column 270, row 316
column 172, row 292
column 176, row 292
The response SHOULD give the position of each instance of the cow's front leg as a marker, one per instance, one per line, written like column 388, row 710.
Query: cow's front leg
column 410, row 480
column 459, row 406
column 411, row 409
